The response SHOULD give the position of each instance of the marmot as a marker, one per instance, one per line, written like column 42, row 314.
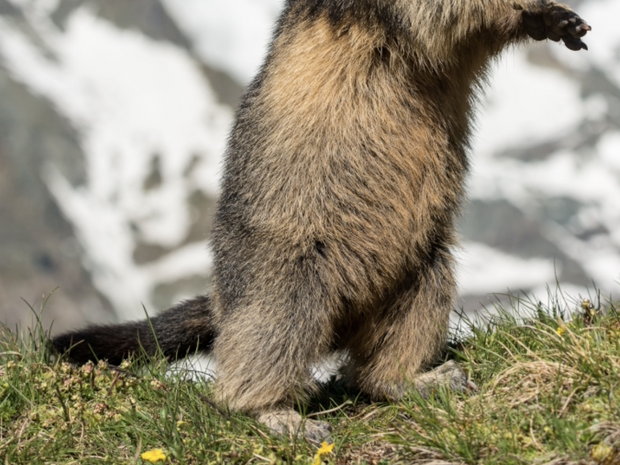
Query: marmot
column 343, row 178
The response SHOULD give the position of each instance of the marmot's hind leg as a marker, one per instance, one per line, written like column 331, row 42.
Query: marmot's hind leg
column 266, row 349
column 391, row 350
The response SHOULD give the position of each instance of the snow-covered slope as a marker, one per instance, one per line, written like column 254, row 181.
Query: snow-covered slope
column 545, row 189
column 142, row 109
column 548, row 144
column 231, row 35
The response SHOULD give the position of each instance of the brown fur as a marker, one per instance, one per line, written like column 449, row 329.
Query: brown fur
column 343, row 180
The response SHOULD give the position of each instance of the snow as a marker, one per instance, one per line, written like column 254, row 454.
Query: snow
column 609, row 151
column 232, row 35
column 525, row 103
column 528, row 104
column 482, row 269
column 133, row 100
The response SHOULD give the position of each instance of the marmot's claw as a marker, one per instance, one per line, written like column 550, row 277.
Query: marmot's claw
column 574, row 44
column 580, row 30
column 556, row 22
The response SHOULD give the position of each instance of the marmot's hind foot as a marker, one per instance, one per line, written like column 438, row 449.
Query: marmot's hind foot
column 290, row 423
column 557, row 22
column 448, row 375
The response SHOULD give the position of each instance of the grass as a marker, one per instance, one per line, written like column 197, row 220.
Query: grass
column 549, row 390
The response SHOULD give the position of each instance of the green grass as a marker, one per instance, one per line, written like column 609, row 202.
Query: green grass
column 549, row 390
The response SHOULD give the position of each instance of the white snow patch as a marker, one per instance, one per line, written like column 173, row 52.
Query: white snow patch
column 194, row 368
column 231, row 35
column 600, row 259
column 483, row 270
column 40, row 8
column 133, row 101
column 525, row 103
column 564, row 175
column 609, row 150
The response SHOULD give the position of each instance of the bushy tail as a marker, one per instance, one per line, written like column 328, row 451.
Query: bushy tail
column 180, row 331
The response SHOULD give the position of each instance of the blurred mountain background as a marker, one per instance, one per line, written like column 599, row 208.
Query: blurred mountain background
column 113, row 120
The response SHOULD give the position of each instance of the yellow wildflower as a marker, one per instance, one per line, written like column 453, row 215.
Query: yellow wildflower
column 154, row 456
column 602, row 452
column 325, row 449
column 560, row 330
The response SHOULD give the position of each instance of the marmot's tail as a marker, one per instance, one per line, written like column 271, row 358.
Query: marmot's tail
column 180, row 331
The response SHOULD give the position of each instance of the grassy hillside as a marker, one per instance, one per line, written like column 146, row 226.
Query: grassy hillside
column 549, row 390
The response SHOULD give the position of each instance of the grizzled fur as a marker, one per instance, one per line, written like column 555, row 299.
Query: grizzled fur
column 343, row 180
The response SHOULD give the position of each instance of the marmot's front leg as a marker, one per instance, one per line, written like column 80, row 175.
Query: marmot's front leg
column 556, row 22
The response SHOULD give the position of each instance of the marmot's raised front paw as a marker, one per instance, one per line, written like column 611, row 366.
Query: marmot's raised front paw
column 556, row 22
